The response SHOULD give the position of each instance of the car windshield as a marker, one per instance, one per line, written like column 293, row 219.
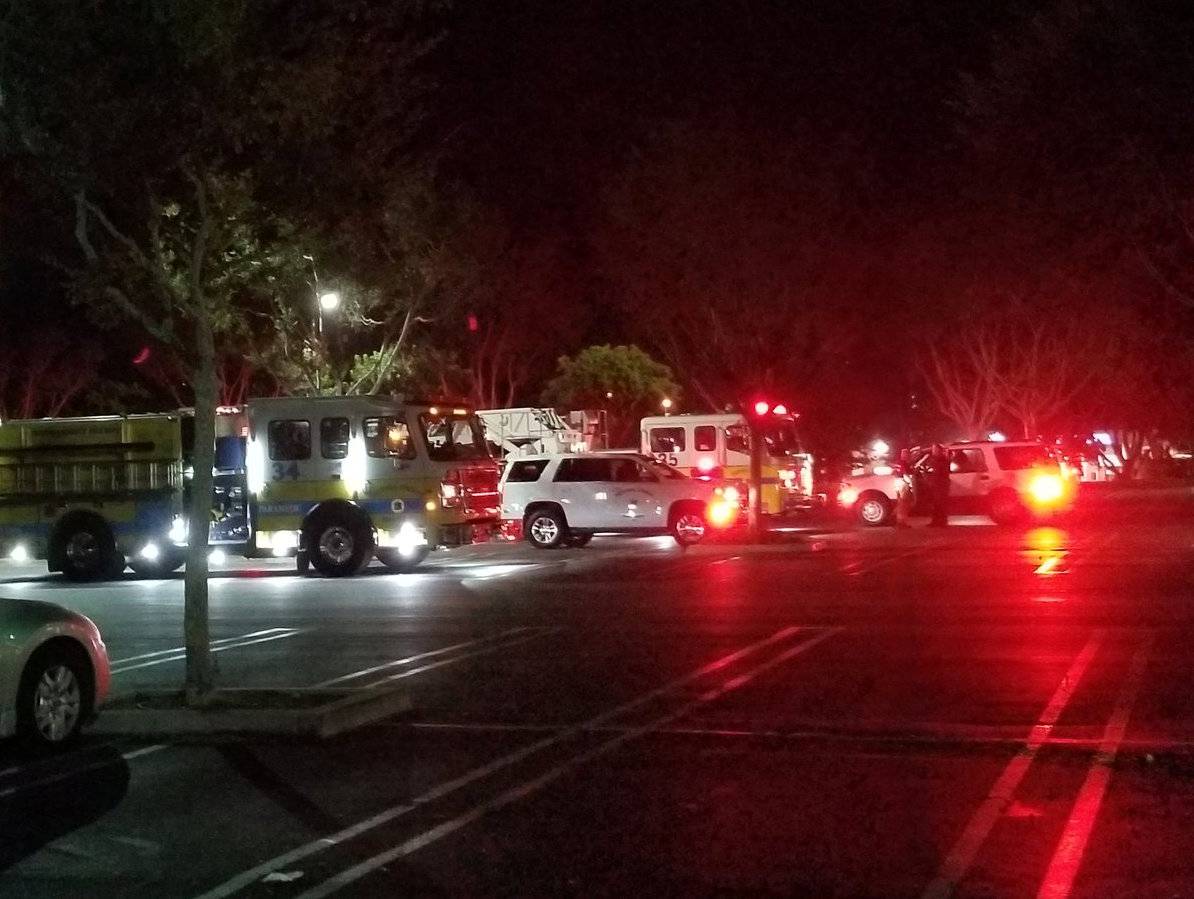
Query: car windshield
column 450, row 437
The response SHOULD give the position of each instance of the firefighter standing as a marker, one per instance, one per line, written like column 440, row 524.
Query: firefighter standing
column 939, row 486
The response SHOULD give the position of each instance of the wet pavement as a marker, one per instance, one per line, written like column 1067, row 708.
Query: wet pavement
column 979, row 711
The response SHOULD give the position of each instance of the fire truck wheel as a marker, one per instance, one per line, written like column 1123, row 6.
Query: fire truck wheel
column 88, row 550
column 395, row 561
column 339, row 546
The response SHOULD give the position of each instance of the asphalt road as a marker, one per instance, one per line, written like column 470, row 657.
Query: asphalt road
column 977, row 710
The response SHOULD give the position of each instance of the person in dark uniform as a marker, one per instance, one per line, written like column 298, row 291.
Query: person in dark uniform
column 939, row 486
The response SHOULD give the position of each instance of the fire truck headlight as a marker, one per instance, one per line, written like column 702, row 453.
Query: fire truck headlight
column 150, row 552
column 217, row 557
column 409, row 539
column 19, row 553
column 178, row 530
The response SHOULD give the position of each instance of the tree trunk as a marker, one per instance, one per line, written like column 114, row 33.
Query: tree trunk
column 200, row 677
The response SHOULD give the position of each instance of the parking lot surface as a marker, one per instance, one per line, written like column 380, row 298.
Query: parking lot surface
column 975, row 711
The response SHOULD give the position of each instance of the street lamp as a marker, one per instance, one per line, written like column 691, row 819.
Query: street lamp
column 328, row 302
column 666, row 403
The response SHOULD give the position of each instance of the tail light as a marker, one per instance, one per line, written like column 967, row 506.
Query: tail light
column 721, row 512
column 1046, row 489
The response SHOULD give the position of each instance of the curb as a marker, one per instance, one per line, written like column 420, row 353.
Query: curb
column 239, row 712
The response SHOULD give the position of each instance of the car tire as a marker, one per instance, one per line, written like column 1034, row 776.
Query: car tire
column 545, row 528
column 88, row 551
column 395, row 561
column 688, row 525
column 339, row 546
column 54, row 698
column 576, row 541
column 1005, row 507
column 167, row 563
column 873, row 509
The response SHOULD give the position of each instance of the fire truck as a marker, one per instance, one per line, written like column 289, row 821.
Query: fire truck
column 335, row 481
column 332, row 481
column 87, row 494
column 718, row 447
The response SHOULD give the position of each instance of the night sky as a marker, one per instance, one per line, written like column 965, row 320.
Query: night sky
column 542, row 108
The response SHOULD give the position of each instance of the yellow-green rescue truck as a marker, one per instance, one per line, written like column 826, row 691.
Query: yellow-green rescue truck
column 717, row 446
column 335, row 481
column 89, row 495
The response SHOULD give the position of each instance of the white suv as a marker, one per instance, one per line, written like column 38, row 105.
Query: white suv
column 1006, row 480
column 564, row 500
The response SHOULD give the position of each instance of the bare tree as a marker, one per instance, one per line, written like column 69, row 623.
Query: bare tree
column 965, row 378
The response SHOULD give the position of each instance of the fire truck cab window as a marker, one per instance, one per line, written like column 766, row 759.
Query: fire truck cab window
column 333, row 438
column 706, row 439
column 289, row 440
column 387, row 438
column 738, row 439
column 668, row 440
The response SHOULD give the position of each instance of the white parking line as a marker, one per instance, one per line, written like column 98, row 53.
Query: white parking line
column 179, row 653
column 562, row 734
column 964, row 851
column 163, row 652
column 1067, row 858
column 530, row 787
column 398, row 663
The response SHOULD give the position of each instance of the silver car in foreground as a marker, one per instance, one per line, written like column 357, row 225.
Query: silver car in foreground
column 54, row 671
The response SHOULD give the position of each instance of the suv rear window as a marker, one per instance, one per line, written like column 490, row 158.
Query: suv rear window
column 585, row 470
column 1016, row 458
column 526, row 472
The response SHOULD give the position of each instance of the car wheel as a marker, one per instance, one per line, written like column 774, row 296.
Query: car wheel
column 89, row 551
column 54, row 697
column 1006, row 508
column 578, row 540
column 874, row 509
column 688, row 525
column 396, row 561
column 168, row 562
column 545, row 528
column 339, row 547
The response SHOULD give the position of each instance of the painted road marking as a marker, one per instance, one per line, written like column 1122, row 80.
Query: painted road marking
column 398, row 663
column 562, row 734
column 163, row 652
column 1067, row 858
column 535, row 634
column 530, row 787
column 179, row 653
column 964, row 851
